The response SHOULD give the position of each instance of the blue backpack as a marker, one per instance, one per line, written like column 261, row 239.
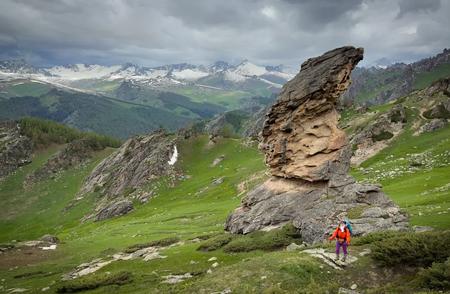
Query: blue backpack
column 349, row 226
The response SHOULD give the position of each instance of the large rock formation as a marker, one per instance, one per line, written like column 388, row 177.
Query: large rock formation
column 309, row 158
column 121, row 175
column 15, row 149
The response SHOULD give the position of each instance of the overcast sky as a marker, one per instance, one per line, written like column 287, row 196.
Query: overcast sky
column 157, row 32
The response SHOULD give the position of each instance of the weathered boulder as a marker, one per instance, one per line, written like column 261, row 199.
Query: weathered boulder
column 15, row 149
column 114, row 209
column 440, row 110
column 433, row 125
column 309, row 158
column 300, row 135
column 49, row 239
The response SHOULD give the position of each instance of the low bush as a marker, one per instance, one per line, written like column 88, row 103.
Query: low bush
column 376, row 236
column 413, row 249
column 94, row 281
column 266, row 241
column 156, row 243
column 436, row 277
column 216, row 242
column 384, row 135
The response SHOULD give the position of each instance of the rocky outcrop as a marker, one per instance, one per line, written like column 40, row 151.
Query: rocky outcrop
column 300, row 136
column 74, row 154
column 371, row 139
column 120, row 176
column 433, row 125
column 15, row 149
column 309, row 157
column 114, row 209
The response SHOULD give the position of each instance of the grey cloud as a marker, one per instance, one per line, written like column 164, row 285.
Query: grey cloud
column 202, row 31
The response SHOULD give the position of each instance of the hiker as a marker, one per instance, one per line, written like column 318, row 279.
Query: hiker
column 342, row 236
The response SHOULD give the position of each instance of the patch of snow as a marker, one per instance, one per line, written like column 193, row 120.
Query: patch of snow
column 271, row 83
column 174, row 157
column 82, row 71
column 51, row 247
column 234, row 77
column 189, row 74
column 249, row 69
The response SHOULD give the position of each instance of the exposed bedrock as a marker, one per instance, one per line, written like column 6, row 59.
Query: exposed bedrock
column 309, row 158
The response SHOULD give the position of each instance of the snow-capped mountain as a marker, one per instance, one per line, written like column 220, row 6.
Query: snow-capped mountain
column 184, row 73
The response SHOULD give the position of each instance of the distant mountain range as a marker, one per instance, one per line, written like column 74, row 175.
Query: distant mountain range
column 128, row 99
column 215, row 75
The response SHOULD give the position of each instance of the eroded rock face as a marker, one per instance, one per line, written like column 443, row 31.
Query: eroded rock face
column 300, row 134
column 120, row 176
column 309, row 157
column 137, row 161
column 15, row 149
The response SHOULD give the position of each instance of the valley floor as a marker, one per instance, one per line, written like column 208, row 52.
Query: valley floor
column 195, row 210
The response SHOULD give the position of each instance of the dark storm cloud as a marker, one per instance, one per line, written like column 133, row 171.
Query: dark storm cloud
column 202, row 31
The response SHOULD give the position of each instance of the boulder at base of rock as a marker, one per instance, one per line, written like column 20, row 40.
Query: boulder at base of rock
column 114, row 209
column 309, row 158
column 50, row 239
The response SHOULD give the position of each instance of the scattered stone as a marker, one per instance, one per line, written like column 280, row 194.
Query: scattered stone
column 45, row 289
column 329, row 258
column 263, row 277
column 209, row 271
column 365, row 252
column 347, row 291
column 174, row 279
column 215, row 264
column 422, row 228
column 353, row 286
column 51, row 247
column 193, row 262
column 212, row 259
column 17, row 290
column 293, row 247
column 218, row 181
column 218, row 160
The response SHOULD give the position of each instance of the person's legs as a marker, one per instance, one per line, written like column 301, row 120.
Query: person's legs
column 338, row 248
column 344, row 248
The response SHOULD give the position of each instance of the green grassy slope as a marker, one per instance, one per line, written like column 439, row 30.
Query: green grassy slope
column 196, row 207
column 92, row 113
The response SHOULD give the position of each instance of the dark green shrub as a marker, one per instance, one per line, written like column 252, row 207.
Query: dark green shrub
column 46, row 132
column 156, row 243
column 384, row 135
column 94, row 281
column 413, row 249
column 374, row 237
column 437, row 277
column 216, row 242
column 266, row 241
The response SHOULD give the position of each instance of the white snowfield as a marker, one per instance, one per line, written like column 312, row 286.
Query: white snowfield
column 174, row 157
column 164, row 75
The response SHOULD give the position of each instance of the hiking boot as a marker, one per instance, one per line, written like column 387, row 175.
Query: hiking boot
column 337, row 257
column 344, row 258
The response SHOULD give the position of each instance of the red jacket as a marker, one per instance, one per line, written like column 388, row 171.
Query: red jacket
column 341, row 236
